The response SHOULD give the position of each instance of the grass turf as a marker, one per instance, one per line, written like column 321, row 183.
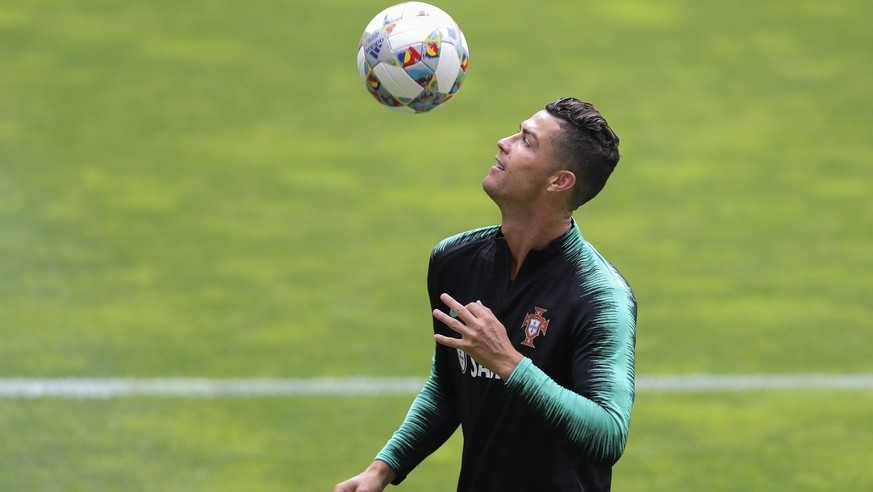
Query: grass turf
column 205, row 189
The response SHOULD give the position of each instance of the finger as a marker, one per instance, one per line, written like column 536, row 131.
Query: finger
column 449, row 300
column 477, row 309
column 447, row 341
column 473, row 313
column 459, row 309
column 447, row 320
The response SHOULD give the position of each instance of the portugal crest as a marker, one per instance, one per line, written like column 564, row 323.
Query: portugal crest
column 533, row 325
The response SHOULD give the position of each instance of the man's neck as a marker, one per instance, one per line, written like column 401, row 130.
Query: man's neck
column 526, row 233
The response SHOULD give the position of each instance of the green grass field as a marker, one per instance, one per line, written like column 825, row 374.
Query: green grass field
column 205, row 189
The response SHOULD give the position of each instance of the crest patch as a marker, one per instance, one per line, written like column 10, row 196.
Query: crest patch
column 534, row 325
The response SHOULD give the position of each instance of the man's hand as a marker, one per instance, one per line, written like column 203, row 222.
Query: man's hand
column 483, row 337
column 375, row 478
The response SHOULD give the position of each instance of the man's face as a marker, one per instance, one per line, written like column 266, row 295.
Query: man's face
column 524, row 162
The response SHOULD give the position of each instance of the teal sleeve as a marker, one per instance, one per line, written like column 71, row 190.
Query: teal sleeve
column 594, row 413
column 602, row 431
column 431, row 420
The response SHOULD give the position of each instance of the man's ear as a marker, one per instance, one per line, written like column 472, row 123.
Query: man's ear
column 562, row 180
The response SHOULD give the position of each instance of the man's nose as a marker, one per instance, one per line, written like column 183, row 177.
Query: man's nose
column 503, row 144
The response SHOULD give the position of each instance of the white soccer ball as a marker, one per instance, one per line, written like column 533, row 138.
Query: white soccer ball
column 413, row 57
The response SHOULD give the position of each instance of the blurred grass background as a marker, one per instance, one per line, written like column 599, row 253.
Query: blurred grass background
column 205, row 189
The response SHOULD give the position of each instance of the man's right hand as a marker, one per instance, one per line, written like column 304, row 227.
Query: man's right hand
column 375, row 478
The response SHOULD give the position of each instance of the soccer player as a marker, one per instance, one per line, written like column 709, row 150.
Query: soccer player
column 534, row 329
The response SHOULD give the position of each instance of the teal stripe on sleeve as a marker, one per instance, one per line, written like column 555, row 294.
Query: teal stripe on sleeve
column 431, row 420
column 601, row 431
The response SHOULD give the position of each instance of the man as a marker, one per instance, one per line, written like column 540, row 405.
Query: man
column 534, row 330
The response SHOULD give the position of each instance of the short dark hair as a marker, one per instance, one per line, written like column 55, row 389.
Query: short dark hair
column 586, row 146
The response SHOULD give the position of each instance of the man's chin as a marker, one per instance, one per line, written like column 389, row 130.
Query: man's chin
column 489, row 187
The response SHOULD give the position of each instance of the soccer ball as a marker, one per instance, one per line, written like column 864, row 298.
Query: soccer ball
column 412, row 57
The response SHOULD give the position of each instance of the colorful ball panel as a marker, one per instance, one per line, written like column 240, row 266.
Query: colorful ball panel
column 412, row 57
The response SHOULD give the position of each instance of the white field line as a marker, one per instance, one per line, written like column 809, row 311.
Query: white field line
column 28, row 388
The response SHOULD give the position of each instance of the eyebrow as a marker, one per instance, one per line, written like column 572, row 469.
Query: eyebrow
column 530, row 134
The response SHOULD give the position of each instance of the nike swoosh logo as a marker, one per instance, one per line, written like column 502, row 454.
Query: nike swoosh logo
column 452, row 313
